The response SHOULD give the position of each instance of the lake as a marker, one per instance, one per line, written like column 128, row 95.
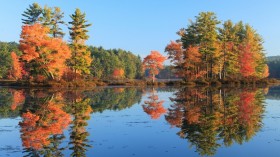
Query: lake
column 140, row 122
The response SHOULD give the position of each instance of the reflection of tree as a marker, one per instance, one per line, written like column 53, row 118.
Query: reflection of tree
column 18, row 99
column 37, row 127
column 44, row 121
column 115, row 99
column 80, row 109
column 208, row 117
column 153, row 106
column 10, row 100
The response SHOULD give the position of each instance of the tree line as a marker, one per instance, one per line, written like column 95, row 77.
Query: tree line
column 206, row 49
column 42, row 54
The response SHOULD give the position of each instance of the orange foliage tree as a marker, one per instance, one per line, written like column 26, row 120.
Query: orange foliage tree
column 118, row 73
column 42, row 54
column 153, row 62
column 17, row 69
column 266, row 71
column 186, row 62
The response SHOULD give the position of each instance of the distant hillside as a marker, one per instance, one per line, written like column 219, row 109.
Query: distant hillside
column 273, row 58
column 274, row 66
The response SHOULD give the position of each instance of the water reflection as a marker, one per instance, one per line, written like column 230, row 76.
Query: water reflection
column 211, row 118
column 47, row 114
column 43, row 121
column 153, row 106
column 54, row 123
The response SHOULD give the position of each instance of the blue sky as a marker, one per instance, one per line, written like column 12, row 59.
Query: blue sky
column 144, row 25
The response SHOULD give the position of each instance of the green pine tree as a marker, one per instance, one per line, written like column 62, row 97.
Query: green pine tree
column 32, row 14
column 81, row 60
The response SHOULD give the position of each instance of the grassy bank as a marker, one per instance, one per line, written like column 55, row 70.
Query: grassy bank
column 129, row 82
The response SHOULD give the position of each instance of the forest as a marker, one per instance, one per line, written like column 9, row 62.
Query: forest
column 207, row 51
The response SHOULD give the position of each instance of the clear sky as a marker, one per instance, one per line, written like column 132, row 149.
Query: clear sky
column 144, row 25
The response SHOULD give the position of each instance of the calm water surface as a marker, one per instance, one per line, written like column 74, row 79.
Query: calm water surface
column 124, row 122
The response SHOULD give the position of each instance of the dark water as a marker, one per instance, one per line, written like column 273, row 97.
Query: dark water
column 122, row 122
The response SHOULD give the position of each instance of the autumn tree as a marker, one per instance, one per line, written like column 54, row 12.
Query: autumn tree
column 153, row 62
column 265, row 71
column 247, row 62
column 187, row 62
column 80, row 60
column 205, row 49
column 43, row 55
column 6, row 60
column 203, row 33
column 118, row 73
column 17, row 69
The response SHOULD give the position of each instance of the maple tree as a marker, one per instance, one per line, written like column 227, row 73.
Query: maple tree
column 118, row 73
column 247, row 62
column 17, row 67
column 187, row 62
column 43, row 55
column 153, row 62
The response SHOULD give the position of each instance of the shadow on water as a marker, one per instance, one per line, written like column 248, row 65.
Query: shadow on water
column 207, row 118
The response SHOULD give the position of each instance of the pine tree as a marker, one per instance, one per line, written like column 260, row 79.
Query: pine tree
column 52, row 18
column 81, row 59
column 228, row 40
column 32, row 14
column 206, row 25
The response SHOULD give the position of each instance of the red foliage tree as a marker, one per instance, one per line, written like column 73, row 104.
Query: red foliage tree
column 153, row 62
column 45, row 54
column 247, row 62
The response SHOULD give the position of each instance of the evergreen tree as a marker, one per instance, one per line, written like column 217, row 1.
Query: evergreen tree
column 52, row 18
column 206, row 25
column 228, row 40
column 81, row 59
column 32, row 14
